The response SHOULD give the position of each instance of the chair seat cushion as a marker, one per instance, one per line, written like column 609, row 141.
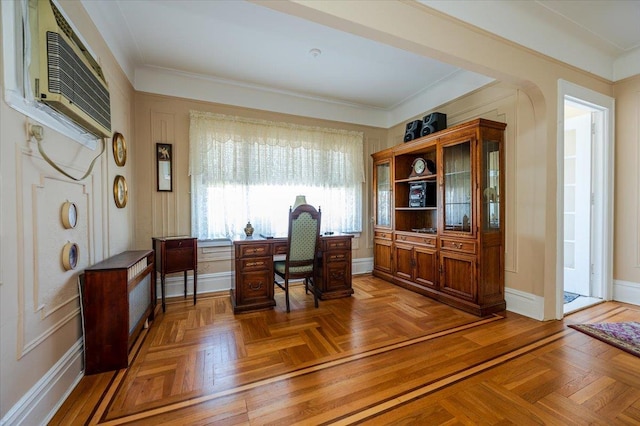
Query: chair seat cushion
column 279, row 267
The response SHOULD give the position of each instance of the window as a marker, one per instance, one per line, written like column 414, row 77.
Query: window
column 251, row 170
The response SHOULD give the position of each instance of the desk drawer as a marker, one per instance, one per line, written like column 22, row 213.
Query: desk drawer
column 280, row 248
column 179, row 259
column 337, row 243
column 338, row 256
column 174, row 244
column 255, row 264
column 253, row 250
column 256, row 286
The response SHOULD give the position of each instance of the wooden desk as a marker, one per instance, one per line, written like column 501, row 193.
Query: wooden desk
column 176, row 254
column 252, row 282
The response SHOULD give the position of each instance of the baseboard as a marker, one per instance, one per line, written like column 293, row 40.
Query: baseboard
column 207, row 283
column 46, row 397
column 626, row 292
column 523, row 303
column 362, row 266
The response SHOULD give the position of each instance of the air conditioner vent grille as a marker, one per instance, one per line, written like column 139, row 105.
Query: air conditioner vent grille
column 69, row 77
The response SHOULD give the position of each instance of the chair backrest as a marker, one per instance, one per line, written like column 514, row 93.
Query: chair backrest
column 304, row 234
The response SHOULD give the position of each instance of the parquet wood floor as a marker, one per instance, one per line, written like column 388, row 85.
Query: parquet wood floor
column 383, row 356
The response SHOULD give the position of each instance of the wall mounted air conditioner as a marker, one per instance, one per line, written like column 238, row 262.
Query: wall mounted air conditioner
column 64, row 75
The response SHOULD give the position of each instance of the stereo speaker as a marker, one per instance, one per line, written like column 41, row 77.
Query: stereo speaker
column 413, row 130
column 433, row 122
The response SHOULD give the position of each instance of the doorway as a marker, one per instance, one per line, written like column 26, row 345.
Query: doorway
column 580, row 124
column 586, row 187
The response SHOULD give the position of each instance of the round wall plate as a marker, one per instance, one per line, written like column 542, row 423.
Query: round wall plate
column 70, row 255
column 69, row 215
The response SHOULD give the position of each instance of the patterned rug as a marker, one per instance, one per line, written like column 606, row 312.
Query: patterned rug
column 570, row 297
column 622, row 335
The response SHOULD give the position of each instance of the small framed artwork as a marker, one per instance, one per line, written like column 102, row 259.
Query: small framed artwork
column 120, row 191
column 164, row 161
column 119, row 149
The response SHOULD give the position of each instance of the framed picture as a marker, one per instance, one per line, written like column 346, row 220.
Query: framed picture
column 164, row 161
column 120, row 191
column 119, row 149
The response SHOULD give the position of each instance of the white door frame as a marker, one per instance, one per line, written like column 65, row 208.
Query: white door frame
column 604, row 262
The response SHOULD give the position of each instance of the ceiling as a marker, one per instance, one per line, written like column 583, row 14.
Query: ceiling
column 246, row 48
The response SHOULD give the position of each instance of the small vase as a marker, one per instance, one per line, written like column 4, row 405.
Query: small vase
column 248, row 230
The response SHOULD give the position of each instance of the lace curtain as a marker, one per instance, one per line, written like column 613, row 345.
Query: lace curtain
column 251, row 170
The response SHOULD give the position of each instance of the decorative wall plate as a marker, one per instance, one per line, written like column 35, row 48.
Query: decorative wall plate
column 119, row 149
column 120, row 191
column 69, row 215
column 70, row 255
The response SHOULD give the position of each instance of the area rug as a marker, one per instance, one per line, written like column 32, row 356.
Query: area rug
column 622, row 335
column 570, row 297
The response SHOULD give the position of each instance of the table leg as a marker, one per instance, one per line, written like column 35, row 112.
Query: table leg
column 162, row 290
column 195, row 285
column 185, row 284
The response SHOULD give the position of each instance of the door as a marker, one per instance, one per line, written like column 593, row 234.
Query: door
column 577, row 199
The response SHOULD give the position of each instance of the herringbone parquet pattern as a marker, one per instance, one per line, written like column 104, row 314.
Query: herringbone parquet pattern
column 383, row 356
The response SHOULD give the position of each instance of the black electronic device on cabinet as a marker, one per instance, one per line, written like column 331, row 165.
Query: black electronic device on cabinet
column 422, row 194
column 432, row 123
column 413, row 130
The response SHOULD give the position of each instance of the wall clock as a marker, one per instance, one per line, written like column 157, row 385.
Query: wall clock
column 70, row 254
column 119, row 149
column 120, row 191
column 69, row 215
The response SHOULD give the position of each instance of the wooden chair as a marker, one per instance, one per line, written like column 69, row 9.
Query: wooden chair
column 304, row 240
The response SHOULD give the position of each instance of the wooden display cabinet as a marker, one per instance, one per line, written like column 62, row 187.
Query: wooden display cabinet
column 450, row 248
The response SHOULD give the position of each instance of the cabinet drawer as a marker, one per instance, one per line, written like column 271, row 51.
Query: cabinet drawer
column 179, row 259
column 383, row 235
column 458, row 245
column 428, row 240
column 174, row 244
column 253, row 250
column 255, row 264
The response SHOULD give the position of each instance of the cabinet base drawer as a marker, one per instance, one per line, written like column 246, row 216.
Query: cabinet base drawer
column 458, row 245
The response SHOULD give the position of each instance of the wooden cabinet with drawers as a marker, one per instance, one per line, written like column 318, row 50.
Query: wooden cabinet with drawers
column 252, row 284
column 333, row 270
column 440, row 232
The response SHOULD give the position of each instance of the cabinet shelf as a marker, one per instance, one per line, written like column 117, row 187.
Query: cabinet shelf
column 411, row 209
column 417, row 178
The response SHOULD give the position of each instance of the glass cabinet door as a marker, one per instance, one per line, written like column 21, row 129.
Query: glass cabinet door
column 457, row 211
column 491, row 186
column 383, row 194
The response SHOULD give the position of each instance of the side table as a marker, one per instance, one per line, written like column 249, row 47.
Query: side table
column 176, row 254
